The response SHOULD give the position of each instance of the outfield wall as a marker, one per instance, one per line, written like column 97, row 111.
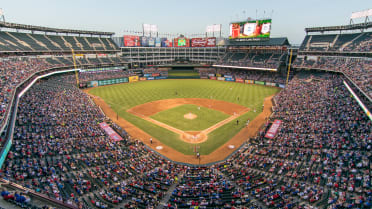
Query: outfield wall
column 148, row 77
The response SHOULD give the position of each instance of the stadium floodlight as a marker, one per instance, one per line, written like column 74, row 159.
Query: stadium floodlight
column 149, row 29
column 361, row 14
column 2, row 18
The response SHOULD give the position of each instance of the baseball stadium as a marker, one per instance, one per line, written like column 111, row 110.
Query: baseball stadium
column 156, row 119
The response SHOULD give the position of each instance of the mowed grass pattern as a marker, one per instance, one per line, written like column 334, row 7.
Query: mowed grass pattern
column 124, row 96
column 175, row 117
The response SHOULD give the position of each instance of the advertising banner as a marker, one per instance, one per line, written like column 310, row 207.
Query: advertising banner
column 239, row 80
column 164, row 42
column 249, row 81
column 204, row 77
column 181, row 42
column 198, row 42
column 259, row 82
column 227, row 76
column 124, row 80
column 143, row 78
column 221, row 78
column 229, row 79
column 147, row 74
column 273, row 129
column 203, row 42
column 282, row 86
column 252, row 29
column 211, row 42
column 212, row 78
column 92, row 84
column 211, row 75
column 131, row 40
column 112, row 134
column 133, row 79
column 144, row 41
column 157, row 42
column 151, row 42
column 270, row 84
column 150, row 78
column 160, row 77
column 155, row 74
column 218, row 75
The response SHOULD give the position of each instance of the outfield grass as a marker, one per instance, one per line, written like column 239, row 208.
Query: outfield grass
column 183, row 73
column 175, row 117
column 125, row 96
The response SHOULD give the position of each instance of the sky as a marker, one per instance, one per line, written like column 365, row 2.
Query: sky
column 289, row 17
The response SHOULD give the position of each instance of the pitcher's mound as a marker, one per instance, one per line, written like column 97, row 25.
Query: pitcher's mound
column 190, row 116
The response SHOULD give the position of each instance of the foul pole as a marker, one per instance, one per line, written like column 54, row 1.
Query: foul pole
column 289, row 67
column 76, row 70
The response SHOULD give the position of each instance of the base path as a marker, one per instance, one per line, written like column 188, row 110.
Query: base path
column 145, row 110
column 219, row 154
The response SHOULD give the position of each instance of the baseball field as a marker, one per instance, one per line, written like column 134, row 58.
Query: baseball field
column 184, row 115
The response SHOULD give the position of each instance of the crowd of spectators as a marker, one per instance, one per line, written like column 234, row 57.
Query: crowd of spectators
column 13, row 71
column 348, row 42
column 274, row 77
column 320, row 157
column 358, row 70
column 258, row 60
column 104, row 75
column 363, row 44
column 60, row 150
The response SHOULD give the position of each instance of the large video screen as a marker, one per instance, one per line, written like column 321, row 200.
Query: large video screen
column 253, row 29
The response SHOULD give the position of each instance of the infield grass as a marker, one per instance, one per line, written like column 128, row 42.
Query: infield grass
column 175, row 117
column 125, row 96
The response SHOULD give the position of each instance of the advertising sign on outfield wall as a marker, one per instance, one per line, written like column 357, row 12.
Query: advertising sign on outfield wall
column 221, row 78
column 259, row 82
column 270, row 84
column 147, row 74
column 249, row 81
column 133, row 79
column 142, row 78
column 229, row 79
column 239, row 80
column 155, row 74
column 213, row 78
column 150, row 78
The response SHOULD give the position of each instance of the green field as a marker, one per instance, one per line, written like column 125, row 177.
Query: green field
column 175, row 117
column 125, row 96
column 183, row 74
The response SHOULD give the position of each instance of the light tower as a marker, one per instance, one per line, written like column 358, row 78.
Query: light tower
column 2, row 17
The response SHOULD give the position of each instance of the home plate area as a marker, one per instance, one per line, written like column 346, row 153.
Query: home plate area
column 190, row 116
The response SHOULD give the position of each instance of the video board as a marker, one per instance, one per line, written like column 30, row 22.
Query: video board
column 252, row 29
